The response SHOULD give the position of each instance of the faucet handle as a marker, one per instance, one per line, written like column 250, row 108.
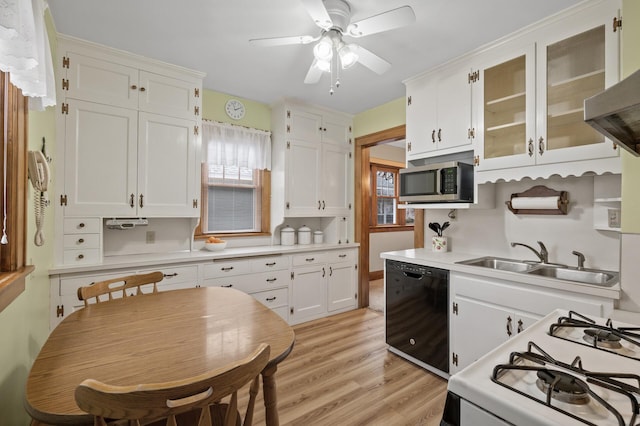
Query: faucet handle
column 580, row 259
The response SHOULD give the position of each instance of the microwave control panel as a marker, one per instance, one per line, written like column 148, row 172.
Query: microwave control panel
column 449, row 181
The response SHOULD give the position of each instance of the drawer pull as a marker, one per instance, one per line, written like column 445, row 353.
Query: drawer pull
column 81, row 240
column 342, row 255
column 134, row 87
column 270, row 264
column 81, row 225
column 228, row 268
column 175, row 274
column 270, row 280
column 227, row 285
column 270, row 299
column 80, row 256
column 310, row 259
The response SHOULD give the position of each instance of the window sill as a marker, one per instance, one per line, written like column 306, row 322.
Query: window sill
column 234, row 235
column 12, row 284
column 390, row 228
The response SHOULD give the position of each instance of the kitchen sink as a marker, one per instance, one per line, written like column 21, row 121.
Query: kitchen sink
column 561, row 272
column 587, row 276
column 500, row 263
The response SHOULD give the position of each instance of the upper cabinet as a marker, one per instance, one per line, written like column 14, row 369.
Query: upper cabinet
column 130, row 132
column 524, row 108
column 312, row 161
column 439, row 113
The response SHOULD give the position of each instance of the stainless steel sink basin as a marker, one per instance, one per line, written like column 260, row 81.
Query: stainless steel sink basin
column 500, row 263
column 561, row 272
column 586, row 276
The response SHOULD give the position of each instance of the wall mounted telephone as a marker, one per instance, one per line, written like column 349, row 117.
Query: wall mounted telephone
column 39, row 177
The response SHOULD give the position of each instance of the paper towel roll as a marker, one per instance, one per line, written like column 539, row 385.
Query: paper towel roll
column 535, row 203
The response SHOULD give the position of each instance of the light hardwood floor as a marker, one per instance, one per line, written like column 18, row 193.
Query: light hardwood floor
column 340, row 373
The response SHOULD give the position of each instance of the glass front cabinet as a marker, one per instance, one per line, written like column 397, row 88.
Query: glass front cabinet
column 530, row 100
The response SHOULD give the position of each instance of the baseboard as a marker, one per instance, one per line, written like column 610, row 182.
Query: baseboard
column 376, row 275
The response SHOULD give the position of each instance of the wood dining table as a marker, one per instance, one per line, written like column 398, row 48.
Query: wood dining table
column 153, row 338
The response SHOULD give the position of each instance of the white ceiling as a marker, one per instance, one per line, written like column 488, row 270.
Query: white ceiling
column 212, row 36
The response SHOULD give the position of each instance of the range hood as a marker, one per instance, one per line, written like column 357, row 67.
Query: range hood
column 616, row 113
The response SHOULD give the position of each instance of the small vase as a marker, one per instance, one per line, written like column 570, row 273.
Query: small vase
column 439, row 244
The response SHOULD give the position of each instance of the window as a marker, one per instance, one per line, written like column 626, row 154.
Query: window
column 235, row 180
column 384, row 199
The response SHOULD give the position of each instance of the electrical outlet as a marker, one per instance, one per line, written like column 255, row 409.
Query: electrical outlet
column 151, row 237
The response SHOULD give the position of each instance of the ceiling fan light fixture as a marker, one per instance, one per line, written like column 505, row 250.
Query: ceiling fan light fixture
column 324, row 49
column 322, row 65
column 348, row 55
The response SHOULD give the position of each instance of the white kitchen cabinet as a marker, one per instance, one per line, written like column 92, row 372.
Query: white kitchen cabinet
column 312, row 161
column 323, row 283
column 82, row 240
column 130, row 127
column 486, row 312
column 534, row 86
column 439, row 112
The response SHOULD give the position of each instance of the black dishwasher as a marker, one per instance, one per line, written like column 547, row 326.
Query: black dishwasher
column 416, row 314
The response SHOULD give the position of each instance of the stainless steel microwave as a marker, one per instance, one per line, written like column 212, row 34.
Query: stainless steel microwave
column 437, row 183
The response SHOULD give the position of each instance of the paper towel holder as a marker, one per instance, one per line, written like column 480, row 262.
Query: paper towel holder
column 541, row 191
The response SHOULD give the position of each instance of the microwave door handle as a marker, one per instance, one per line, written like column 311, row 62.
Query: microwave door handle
column 439, row 181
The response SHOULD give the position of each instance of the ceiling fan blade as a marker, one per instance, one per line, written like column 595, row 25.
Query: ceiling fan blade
column 314, row 74
column 384, row 21
column 283, row 41
column 372, row 61
column 319, row 14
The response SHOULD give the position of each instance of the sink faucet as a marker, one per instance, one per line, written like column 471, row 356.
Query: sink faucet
column 580, row 259
column 543, row 254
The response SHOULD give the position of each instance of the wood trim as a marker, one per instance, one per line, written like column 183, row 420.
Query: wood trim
column 362, row 208
column 15, row 113
column 390, row 228
column 388, row 163
column 418, row 228
column 376, row 275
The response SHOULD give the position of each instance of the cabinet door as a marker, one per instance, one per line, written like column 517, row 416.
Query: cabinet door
column 454, row 109
column 101, row 81
column 576, row 60
column 167, row 96
column 100, row 159
column 305, row 126
column 302, row 184
column 477, row 329
column 341, row 285
column 506, row 110
column 335, row 179
column 166, row 166
column 421, row 117
column 336, row 130
column 308, row 293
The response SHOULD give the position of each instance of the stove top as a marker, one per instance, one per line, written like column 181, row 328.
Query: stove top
column 554, row 373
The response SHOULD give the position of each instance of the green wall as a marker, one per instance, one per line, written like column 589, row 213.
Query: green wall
column 257, row 115
column 630, row 163
column 385, row 116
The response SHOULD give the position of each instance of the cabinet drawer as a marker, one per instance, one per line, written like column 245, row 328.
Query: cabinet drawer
column 312, row 258
column 176, row 275
column 69, row 286
column 82, row 241
column 264, row 281
column 81, row 257
column 272, row 298
column 342, row 256
column 271, row 263
column 225, row 268
column 82, row 225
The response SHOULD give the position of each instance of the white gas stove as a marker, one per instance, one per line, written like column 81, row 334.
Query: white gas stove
column 566, row 369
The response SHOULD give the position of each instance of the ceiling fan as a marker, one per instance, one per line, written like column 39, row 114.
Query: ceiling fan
column 331, row 52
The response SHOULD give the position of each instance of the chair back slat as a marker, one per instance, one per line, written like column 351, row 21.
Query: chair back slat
column 119, row 286
column 172, row 401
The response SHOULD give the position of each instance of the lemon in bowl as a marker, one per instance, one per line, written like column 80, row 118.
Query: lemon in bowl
column 214, row 244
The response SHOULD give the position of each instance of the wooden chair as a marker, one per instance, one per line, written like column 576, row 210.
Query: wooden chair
column 192, row 401
column 115, row 285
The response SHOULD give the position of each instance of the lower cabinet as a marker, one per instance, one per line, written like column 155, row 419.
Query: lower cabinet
column 486, row 312
column 323, row 283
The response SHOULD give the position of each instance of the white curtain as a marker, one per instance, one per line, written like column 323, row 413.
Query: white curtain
column 230, row 145
column 24, row 50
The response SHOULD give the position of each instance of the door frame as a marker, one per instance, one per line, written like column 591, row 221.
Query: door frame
column 362, row 180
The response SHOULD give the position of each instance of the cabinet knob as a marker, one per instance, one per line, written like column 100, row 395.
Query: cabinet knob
column 541, row 145
column 81, row 225
column 530, row 147
column 134, row 87
column 81, row 240
column 142, row 89
column 80, row 256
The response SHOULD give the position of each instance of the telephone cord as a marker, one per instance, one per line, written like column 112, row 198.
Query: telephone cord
column 39, row 203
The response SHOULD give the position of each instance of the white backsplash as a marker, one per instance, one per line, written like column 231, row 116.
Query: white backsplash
column 489, row 231
column 171, row 235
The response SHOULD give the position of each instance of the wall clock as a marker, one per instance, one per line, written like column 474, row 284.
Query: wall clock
column 235, row 109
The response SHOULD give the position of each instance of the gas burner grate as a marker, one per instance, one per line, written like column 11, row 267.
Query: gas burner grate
column 623, row 341
column 579, row 383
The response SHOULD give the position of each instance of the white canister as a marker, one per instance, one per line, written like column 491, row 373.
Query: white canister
column 287, row 236
column 318, row 237
column 304, row 235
